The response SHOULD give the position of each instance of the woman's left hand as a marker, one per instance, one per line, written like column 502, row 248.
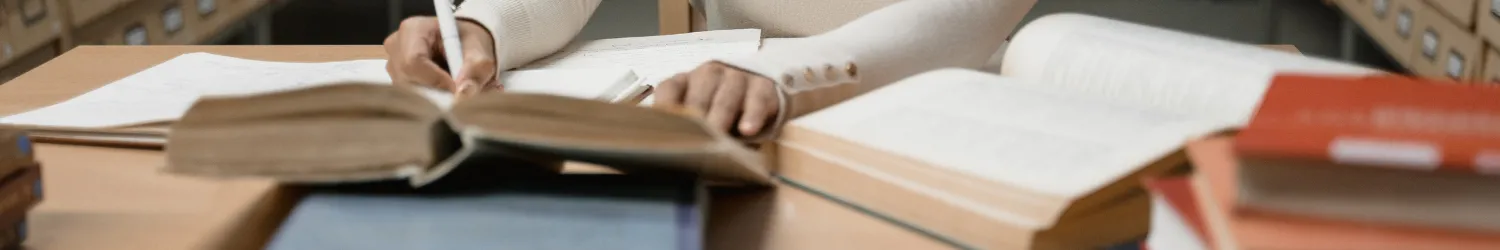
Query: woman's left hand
column 725, row 95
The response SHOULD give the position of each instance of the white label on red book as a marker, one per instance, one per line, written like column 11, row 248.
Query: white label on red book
column 1487, row 162
column 1385, row 153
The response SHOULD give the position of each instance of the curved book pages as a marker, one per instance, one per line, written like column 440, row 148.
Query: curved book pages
column 365, row 132
column 1050, row 153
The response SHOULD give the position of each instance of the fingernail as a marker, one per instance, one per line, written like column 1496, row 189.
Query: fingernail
column 467, row 88
column 746, row 128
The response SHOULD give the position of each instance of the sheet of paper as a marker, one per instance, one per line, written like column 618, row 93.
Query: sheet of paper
column 655, row 58
column 1152, row 67
column 602, row 83
column 993, row 127
column 165, row 91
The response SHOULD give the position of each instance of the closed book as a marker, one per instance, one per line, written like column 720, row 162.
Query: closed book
column 1215, row 185
column 1384, row 121
column 562, row 212
column 1374, row 149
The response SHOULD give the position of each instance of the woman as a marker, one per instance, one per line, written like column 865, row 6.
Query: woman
column 841, row 48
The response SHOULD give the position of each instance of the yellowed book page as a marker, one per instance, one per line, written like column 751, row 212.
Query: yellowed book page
column 1152, row 67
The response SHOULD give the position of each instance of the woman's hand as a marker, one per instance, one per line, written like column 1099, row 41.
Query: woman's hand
column 725, row 95
column 416, row 49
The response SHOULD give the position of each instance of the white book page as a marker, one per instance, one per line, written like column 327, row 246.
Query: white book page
column 655, row 58
column 1168, row 228
column 165, row 91
column 1152, row 67
column 996, row 128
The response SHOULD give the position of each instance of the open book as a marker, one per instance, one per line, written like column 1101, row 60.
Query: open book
column 344, row 133
column 1047, row 155
column 137, row 110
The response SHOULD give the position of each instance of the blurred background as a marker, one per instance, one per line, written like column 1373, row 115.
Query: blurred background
column 1317, row 28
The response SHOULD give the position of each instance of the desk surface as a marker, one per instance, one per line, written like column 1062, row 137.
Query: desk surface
column 109, row 198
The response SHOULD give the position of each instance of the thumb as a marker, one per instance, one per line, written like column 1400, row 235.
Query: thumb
column 477, row 71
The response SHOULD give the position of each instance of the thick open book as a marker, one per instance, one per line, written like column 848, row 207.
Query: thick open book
column 365, row 132
column 1047, row 155
column 138, row 110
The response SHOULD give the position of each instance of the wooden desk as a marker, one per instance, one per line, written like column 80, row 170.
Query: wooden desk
column 108, row 198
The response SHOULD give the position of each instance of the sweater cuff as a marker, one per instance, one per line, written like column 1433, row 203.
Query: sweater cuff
column 483, row 12
column 800, row 81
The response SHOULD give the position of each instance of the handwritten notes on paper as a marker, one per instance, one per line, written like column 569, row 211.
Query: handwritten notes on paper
column 656, row 58
column 165, row 91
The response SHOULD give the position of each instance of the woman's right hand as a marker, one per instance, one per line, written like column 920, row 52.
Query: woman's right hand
column 415, row 50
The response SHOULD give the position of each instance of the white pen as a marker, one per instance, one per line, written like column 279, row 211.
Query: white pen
column 448, row 27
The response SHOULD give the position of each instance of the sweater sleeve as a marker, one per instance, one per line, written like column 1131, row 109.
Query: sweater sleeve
column 900, row 40
column 527, row 30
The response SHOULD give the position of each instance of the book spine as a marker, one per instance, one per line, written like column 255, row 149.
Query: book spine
column 1376, row 121
column 1370, row 150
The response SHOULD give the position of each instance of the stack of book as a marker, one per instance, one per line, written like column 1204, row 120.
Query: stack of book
column 1343, row 163
column 20, row 186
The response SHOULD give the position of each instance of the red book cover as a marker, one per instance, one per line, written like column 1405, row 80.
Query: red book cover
column 1389, row 121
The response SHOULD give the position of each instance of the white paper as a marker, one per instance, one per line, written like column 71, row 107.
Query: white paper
column 591, row 83
column 1151, row 67
column 996, row 128
column 165, row 91
column 1168, row 228
column 656, row 58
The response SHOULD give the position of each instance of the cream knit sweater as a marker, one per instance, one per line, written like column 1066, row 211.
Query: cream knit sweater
column 840, row 48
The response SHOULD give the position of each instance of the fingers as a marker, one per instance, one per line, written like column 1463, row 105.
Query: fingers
column 411, row 55
column 727, row 100
column 670, row 92
column 731, row 100
column 702, row 84
column 761, row 101
column 479, row 69
column 427, row 73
